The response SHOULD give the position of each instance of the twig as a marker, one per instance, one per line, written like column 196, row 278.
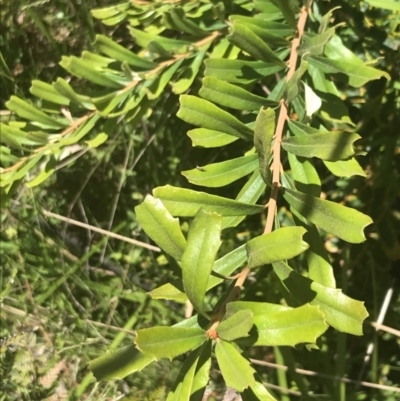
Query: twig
column 101, row 231
column 283, row 115
column 335, row 378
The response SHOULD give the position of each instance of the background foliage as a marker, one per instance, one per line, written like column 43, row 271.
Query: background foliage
column 84, row 294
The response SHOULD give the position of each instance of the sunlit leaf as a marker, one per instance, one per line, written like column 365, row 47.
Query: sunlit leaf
column 207, row 138
column 198, row 258
column 223, row 173
column 283, row 243
column 236, row 326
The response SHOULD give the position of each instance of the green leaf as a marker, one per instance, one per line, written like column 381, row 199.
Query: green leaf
column 235, row 369
column 392, row 5
column 291, row 327
column 48, row 92
column 187, row 78
column 281, row 244
column 120, row 363
column 244, row 38
column 42, row 176
column 257, row 308
column 264, row 131
column 210, row 139
column 15, row 138
column 357, row 74
column 176, row 19
column 275, row 28
column 289, row 9
column 223, row 173
column 257, row 392
column 186, row 202
column 32, row 114
column 332, row 146
column 202, row 374
column 182, row 388
column 250, row 193
column 236, row 326
column 168, row 342
column 314, row 45
column 225, row 94
column 120, row 53
column 293, row 85
column 305, row 175
column 341, row 312
column 345, row 168
column 161, row 227
column 227, row 265
column 62, row 86
column 199, row 256
column 239, row 71
column 98, row 140
column 170, row 291
column 336, row 219
column 205, row 114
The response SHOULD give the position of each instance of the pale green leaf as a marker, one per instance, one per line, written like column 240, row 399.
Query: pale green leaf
column 48, row 92
column 341, row 312
column 169, row 342
column 98, row 140
column 186, row 202
column 244, row 38
column 161, row 227
column 223, row 173
column 235, row 369
column 304, row 175
column 236, row 326
column 62, row 86
column 341, row 221
column 345, row 168
column 331, row 146
column 392, row 5
column 275, row 28
column 169, row 291
column 42, row 176
column 257, row 392
column 202, row 374
column 199, row 256
column 225, row 94
column 205, row 114
column 207, row 138
column 281, row 244
column 264, row 131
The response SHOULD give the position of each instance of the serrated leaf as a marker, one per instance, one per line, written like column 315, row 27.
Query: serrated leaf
column 161, row 227
column 250, row 193
column 236, row 326
column 345, row 168
column 119, row 363
column 120, row 53
column 186, row 202
column 235, row 369
column 47, row 92
column 341, row 312
column 205, row 114
column 357, row 74
column 223, row 173
column 257, row 392
column 264, row 131
column 244, row 38
column 336, row 219
column 199, row 256
column 207, row 138
column 168, row 342
column 239, row 71
column 281, row 244
column 331, row 146
column 225, row 94
column 291, row 327
column 32, row 114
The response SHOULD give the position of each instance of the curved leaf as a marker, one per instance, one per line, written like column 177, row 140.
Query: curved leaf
column 210, row 139
column 161, row 227
column 336, row 219
column 223, row 173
